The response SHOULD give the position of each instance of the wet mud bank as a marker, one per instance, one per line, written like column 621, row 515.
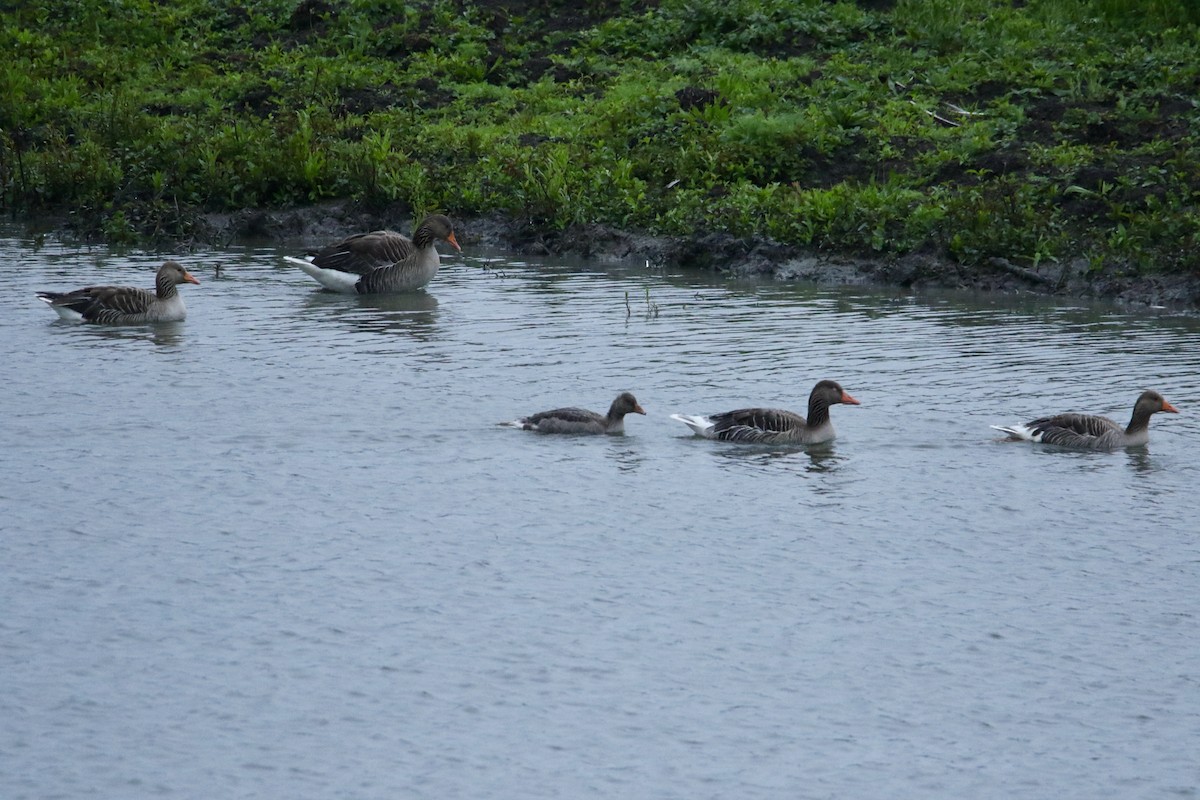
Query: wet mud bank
column 312, row 225
column 728, row 254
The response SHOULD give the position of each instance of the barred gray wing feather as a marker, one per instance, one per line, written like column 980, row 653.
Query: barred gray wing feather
column 1077, row 430
column 104, row 303
column 401, row 275
column 1083, row 424
column 756, row 425
column 362, row 253
column 124, row 299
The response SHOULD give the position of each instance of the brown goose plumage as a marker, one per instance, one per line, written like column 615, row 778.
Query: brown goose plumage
column 1091, row 431
column 380, row 261
column 125, row 305
column 773, row 425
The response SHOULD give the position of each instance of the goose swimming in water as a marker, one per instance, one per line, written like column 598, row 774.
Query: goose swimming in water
column 1090, row 431
column 580, row 420
column 380, row 261
column 773, row 425
column 125, row 305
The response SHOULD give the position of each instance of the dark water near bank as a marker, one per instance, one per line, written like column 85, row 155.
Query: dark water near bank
column 282, row 549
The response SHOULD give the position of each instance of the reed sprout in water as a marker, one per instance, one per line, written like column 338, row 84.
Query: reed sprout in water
column 652, row 309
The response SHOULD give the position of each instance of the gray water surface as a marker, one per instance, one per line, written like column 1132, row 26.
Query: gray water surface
column 282, row 549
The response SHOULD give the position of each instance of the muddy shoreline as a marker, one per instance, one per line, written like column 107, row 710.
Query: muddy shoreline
column 716, row 252
column 727, row 254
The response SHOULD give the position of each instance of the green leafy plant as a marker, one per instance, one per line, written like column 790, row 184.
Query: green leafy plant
column 1032, row 131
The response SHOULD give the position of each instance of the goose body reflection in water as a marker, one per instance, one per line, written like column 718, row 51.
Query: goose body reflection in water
column 165, row 335
column 410, row 313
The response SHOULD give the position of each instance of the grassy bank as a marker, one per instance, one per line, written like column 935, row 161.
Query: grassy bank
column 1031, row 131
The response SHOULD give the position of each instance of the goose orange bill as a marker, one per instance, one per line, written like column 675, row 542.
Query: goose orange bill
column 1170, row 409
column 453, row 242
column 848, row 400
column 190, row 278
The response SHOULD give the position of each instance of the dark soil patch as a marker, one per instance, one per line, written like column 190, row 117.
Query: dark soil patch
column 692, row 98
column 360, row 100
column 546, row 28
column 261, row 100
column 311, row 14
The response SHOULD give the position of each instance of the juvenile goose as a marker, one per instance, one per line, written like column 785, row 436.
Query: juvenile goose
column 771, row 425
column 125, row 305
column 380, row 261
column 1092, row 432
column 579, row 420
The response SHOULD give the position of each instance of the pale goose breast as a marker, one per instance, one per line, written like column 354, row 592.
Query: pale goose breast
column 125, row 305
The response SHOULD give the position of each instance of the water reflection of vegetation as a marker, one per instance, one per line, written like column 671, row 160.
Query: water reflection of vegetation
column 651, row 310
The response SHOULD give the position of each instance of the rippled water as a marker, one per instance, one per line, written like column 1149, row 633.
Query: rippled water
column 282, row 549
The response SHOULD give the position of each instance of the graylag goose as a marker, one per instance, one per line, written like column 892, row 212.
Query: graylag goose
column 1092, row 432
column 772, row 425
column 579, row 420
column 380, row 261
column 125, row 305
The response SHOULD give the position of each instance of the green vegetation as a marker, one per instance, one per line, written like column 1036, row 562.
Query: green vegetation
column 1034, row 131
